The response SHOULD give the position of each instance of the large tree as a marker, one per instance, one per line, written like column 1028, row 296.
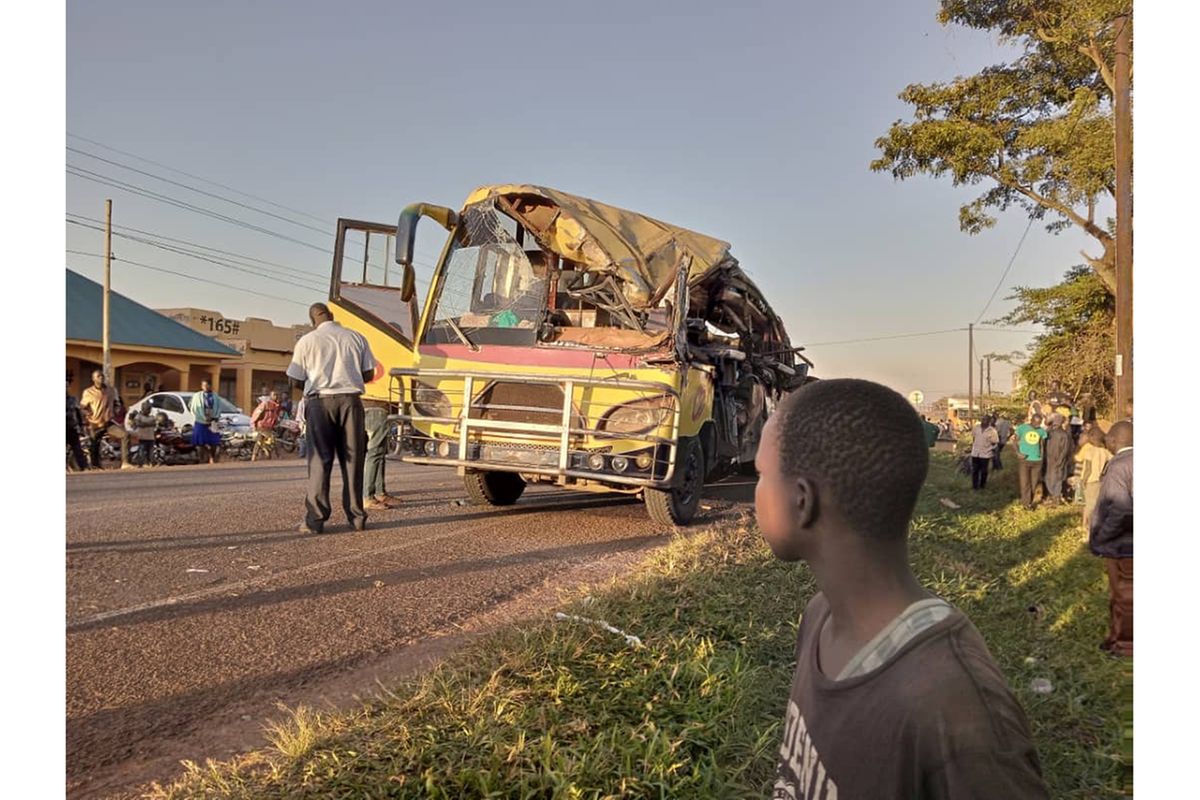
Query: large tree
column 1078, row 344
column 1036, row 132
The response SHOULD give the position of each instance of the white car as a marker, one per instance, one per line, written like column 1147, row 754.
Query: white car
column 175, row 406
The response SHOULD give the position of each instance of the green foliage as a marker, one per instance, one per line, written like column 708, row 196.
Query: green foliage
column 1037, row 132
column 565, row 709
column 1078, row 347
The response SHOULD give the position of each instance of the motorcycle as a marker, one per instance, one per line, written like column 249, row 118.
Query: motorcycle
column 287, row 435
column 172, row 447
column 235, row 444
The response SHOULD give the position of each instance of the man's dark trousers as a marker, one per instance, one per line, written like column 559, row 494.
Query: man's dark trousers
column 1120, row 606
column 1029, row 475
column 336, row 429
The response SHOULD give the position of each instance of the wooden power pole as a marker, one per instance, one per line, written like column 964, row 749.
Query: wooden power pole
column 107, row 349
column 989, row 376
column 1123, row 158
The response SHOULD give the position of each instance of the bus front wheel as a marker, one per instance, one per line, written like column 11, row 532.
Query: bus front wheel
column 493, row 488
column 677, row 506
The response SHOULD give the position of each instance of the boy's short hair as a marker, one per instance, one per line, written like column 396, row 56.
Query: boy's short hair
column 864, row 442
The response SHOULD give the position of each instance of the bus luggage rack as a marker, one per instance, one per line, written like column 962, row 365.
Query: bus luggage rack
column 500, row 436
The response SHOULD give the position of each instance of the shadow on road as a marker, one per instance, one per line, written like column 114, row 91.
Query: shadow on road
column 259, row 599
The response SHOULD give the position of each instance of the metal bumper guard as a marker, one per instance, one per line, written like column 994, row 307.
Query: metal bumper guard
column 471, row 452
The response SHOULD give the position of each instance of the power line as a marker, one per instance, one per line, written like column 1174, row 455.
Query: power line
column 884, row 338
column 194, row 177
column 198, row 191
column 1004, row 274
column 200, row 257
column 190, row 277
column 1010, row 330
column 96, row 177
column 232, row 253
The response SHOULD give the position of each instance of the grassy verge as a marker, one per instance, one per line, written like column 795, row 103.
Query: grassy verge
column 566, row 709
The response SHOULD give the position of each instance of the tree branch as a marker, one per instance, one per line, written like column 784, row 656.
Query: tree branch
column 1088, row 225
column 1092, row 51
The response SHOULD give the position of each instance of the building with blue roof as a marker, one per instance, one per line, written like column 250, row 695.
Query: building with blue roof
column 150, row 351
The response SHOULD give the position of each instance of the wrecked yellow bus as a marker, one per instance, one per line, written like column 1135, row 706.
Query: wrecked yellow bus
column 568, row 342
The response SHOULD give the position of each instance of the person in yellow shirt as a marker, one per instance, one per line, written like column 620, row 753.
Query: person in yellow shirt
column 1093, row 456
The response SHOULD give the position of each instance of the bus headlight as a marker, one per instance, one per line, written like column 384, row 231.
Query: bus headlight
column 595, row 462
column 620, row 463
column 639, row 416
column 430, row 402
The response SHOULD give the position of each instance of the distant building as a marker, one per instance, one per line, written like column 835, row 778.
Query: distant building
column 150, row 352
column 263, row 352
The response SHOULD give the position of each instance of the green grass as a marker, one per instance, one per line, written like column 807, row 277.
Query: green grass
column 565, row 709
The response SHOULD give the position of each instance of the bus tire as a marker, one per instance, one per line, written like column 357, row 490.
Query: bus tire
column 677, row 505
column 493, row 488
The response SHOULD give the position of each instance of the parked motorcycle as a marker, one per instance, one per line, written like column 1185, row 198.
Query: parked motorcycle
column 235, row 444
column 287, row 435
column 172, row 447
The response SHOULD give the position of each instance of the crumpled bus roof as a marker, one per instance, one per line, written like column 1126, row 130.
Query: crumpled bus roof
column 644, row 252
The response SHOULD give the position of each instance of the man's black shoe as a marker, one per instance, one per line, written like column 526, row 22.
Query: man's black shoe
column 306, row 528
column 359, row 524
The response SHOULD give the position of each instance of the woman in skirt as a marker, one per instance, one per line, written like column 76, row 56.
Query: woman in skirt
column 204, row 436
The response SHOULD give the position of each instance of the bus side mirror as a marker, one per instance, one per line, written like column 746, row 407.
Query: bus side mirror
column 406, row 236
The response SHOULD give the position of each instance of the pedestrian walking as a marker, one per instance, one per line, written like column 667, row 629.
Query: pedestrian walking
column 1111, row 537
column 140, row 423
column 1093, row 457
column 983, row 448
column 332, row 365
column 205, row 436
column 1004, row 432
column 264, row 419
column 1059, row 457
column 894, row 693
column 99, row 406
column 74, row 426
column 1031, row 437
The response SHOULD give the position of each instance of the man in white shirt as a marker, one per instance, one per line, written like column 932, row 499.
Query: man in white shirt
column 332, row 366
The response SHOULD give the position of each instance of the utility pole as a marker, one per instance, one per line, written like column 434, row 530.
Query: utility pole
column 989, row 374
column 1123, row 158
column 981, row 395
column 970, row 369
column 108, row 376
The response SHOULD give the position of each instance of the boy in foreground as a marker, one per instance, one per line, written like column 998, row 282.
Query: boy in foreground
column 895, row 693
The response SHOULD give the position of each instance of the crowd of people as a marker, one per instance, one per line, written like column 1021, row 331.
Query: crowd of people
column 1065, row 456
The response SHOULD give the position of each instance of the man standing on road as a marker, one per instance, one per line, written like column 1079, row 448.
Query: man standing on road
column 332, row 365
column 100, row 405
column 377, row 427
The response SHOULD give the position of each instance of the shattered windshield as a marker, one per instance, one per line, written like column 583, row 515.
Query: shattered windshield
column 501, row 286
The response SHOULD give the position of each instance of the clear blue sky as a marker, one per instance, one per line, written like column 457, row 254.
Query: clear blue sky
column 752, row 122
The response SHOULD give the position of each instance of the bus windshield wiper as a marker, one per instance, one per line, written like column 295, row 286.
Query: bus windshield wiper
column 459, row 332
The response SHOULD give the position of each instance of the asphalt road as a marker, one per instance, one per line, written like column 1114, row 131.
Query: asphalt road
column 194, row 605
